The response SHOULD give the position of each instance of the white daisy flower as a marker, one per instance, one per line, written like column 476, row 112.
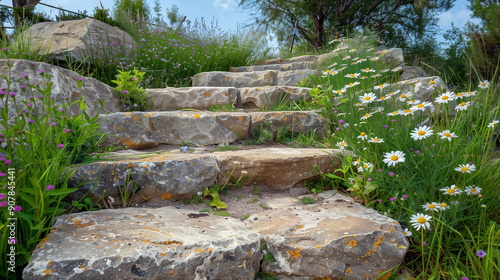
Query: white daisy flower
column 419, row 221
column 421, row 132
column 484, row 84
column 394, row 157
column 446, row 134
column 462, row 106
column 433, row 206
column 451, row 190
column 445, row 97
column 363, row 136
column 466, row 168
column 367, row 98
column 376, row 140
column 472, row 190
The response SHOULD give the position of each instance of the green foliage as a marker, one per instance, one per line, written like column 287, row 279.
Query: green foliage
column 38, row 148
column 307, row 200
column 132, row 94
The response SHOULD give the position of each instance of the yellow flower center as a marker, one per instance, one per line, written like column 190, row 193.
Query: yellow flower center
column 395, row 112
column 465, row 168
column 339, row 91
column 421, row 220
column 394, row 157
column 469, row 92
column 403, row 96
column 362, row 134
column 407, row 111
column 444, row 97
column 367, row 69
column 432, row 82
column 420, row 105
column 365, row 166
column 367, row 115
column 460, row 93
column 443, row 205
column 381, row 86
column 450, row 191
column 483, row 84
column 327, row 71
column 376, row 140
column 447, row 134
column 432, row 206
column 463, row 104
column 421, row 133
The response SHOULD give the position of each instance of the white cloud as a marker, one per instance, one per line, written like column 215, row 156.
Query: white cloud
column 225, row 5
column 458, row 17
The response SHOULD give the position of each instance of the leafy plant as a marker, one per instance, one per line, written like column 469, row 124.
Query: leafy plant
column 307, row 200
column 132, row 94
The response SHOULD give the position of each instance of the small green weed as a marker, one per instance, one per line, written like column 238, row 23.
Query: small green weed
column 307, row 200
column 132, row 94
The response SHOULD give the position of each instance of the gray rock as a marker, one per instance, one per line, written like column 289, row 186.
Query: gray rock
column 292, row 78
column 235, row 79
column 294, row 121
column 412, row 72
column 266, row 97
column 145, row 243
column 278, row 67
column 302, row 58
column 65, row 88
column 422, row 88
column 393, row 57
column 333, row 238
column 275, row 167
column 170, row 99
column 146, row 178
column 78, row 39
column 141, row 130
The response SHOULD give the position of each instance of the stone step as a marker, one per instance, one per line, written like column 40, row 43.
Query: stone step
column 170, row 99
column 250, row 79
column 279, row 67
column 302, row 58
column 334, row 238
column 179, row 175
column 142, row 130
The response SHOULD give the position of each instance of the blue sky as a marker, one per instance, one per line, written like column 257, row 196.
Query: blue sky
column 226, row 12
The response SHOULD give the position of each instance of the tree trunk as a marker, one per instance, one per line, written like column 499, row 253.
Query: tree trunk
column 18, row 21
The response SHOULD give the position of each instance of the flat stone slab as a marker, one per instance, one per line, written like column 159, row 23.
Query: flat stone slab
column 146, row 243
column 278, row 67
column 141, row 130
column 294, row 121
column 302, row 58
column 333, row 238
column 280, row 168
column 250, row 79
column 168, row 174
column 171, row 99
column 266, row 97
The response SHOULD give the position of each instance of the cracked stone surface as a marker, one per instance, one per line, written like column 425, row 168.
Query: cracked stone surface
column 146, row 243
column 261, row 97
column 171, row 99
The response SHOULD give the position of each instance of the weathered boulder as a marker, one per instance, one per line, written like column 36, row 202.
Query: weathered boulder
column 275, row 167
column 170, row 99
column 65, row 88
column 293, row 121
column 145, row 178
column 422, row 87
column 261, row 97
column 412, row 72
column 146, row 243
column 141, row 130
column 279, row 67
column 78, row 39
column 333, row 238
column 235, row 79
column 393, row 57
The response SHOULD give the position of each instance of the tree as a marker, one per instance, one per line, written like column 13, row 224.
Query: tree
column 134, row 10
column 317, row 20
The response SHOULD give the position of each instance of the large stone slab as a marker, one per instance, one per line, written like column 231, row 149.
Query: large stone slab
column 78, row 39
column 280, row 168
column 140, row 130
column 291, row 78
column 267, row 97
column 294, row 121
column 235, row 79
column 145, row 178
column 422, row 87
column 278, row 67
column 302, row 58
column 334, row 238
column 146, row 243
column 171, row 99
column 65, row 88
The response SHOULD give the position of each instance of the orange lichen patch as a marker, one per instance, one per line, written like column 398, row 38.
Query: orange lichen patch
column 294, row 254
column 137, row 118
column 250, row 253
column 284, row 118
column 163, row 254
column 127, row 114
column 210, row 250
column 207, row 93
column 47, row 271
column 82, row 266
column 377, row 243
column 318, row 246
column 154, row 229
column 385, row 276
column 144, row 166
column 322, row 278
column 199, row 250
column 348, row 270
column 197, row 116
column 240, row 118
column 90, row 172
column 147, row 241
column 169, row 242
column 165, row 196
column 149, row 116
column 299, row 227
column 353, row 243
column 128, row 143
column 51, row 262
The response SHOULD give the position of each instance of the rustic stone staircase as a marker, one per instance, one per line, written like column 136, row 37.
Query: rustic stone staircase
column 160, row 238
